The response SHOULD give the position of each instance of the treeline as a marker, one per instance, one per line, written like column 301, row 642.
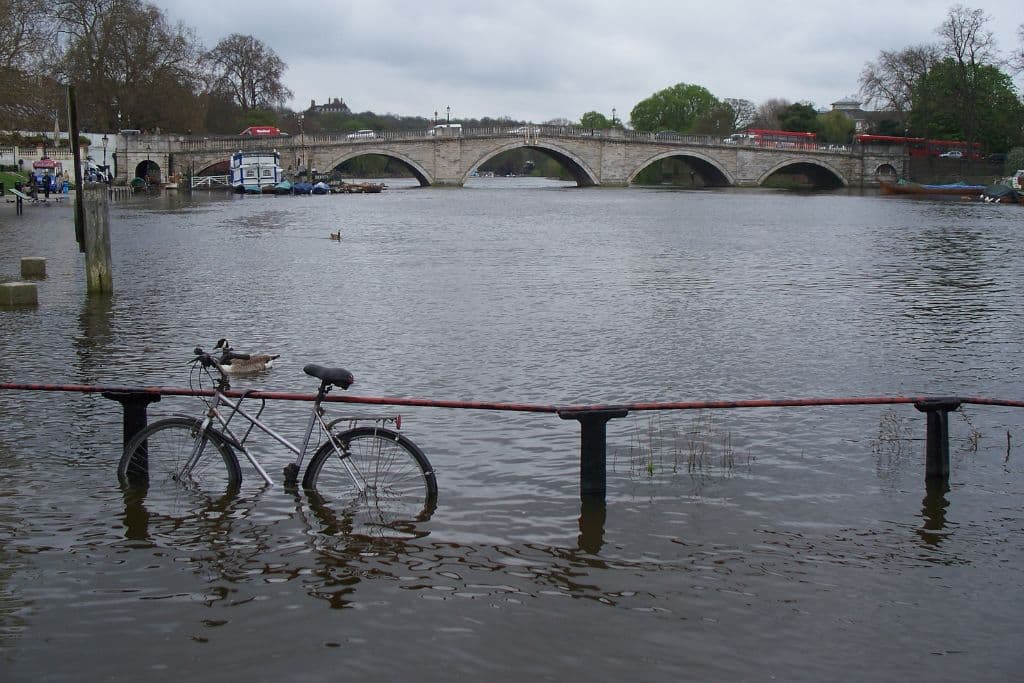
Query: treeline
column 133, row 68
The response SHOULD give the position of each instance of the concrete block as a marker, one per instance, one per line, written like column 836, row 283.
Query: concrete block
column 18, row 294
column 33, row 267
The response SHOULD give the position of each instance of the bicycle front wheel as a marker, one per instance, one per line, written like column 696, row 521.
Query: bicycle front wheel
column 177, row 464
column 376, row 472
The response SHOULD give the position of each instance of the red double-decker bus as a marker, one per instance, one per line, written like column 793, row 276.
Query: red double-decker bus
column 783, row 139
column 922, row 147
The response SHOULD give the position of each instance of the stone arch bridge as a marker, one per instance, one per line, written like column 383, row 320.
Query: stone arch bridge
column 593, row 157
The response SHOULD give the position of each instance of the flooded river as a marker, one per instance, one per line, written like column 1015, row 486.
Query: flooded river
column 792, row 544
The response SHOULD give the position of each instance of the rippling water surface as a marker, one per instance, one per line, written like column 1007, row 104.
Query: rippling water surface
column 769, row 544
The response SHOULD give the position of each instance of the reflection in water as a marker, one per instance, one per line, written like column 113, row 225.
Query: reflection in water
column 656, row 297
column 933, row 512
column 592, row 516
column 92, row 345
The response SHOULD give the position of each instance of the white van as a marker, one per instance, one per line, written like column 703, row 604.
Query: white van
column 738, row 139
column 360, row 134
column 446, row 129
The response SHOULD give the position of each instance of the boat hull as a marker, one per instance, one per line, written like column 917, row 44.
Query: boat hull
column 957, row 189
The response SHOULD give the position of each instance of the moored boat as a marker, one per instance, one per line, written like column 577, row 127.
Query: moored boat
column 252, row 171
column 908, row 187
column 1000, row 194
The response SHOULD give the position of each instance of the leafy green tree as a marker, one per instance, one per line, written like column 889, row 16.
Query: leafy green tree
column 597, row 120
column 677, row 108
column 991, row 114
column 836, row 127
column 1014, row 160
column 800, row 116
column 720, row 120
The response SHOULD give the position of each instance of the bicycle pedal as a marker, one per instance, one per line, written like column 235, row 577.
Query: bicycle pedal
column 291, row 474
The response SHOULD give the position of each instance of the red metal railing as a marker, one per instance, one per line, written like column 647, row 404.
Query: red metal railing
column 592, row 417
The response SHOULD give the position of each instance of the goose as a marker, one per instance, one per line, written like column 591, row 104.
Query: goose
column 336, row 236
column 234, row 364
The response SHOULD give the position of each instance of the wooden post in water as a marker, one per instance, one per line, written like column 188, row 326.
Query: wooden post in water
column 99, row 278
column 77, row 156
column 134, row 405
column 593, row 472
column 936, row 467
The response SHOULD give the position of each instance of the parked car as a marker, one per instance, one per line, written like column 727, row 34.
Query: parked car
column 359, row 134
column 952, row 154
column 738, row 139
column 527, row 130
column 668, row 135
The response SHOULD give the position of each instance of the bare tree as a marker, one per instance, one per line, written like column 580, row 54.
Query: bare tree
column 132, row 67
column 25, row 33
column 966, row 40
column 743, row 113
column 28, row 95
column 889, row 82
column 767, row 115
column 1017, row 57
column 249, row 71
column 965, row 37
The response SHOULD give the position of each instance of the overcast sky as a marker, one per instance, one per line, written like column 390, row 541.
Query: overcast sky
column 540, row 60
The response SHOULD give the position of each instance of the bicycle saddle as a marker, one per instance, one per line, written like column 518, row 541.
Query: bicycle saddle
column 336, row 376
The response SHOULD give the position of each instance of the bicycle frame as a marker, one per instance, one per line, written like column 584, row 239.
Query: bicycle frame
column 214, row 413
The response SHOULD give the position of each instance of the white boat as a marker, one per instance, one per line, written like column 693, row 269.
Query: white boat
column 252, row 171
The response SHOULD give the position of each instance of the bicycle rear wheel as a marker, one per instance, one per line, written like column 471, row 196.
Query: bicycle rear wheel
column 380, row 474
column 157, row 460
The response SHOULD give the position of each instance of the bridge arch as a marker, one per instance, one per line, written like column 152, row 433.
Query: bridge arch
column 148, row 169
column 821, row 170
column 577, row 168
column 706, row 164
column 886, row 171
column 414, row 167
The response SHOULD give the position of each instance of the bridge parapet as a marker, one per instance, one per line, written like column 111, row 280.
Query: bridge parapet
column 593, row 157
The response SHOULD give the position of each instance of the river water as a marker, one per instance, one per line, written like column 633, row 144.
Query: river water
column 791, row 544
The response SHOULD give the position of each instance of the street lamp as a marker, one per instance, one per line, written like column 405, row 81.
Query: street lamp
column 104, row 140
column 613, row 117
column 448, row 112
column 302, row 146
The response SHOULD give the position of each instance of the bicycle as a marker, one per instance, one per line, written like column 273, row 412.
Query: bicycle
column 178, row 458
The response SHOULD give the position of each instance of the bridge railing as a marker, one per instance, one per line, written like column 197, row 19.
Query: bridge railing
column 592, row 418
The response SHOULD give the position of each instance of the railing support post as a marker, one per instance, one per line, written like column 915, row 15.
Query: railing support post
column 134, row 404
column 937, row 437
column 592, row 448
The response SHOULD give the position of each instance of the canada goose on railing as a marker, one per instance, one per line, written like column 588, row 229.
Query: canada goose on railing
column 243, row 363
column 336, row 236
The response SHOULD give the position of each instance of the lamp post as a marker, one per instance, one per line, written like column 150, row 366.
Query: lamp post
column 302, row 146
column 104, row 140
column 448, row 113
column 613, row 117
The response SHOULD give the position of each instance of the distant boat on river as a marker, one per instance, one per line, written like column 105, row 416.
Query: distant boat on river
column 252, row 171
column 907, row 187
